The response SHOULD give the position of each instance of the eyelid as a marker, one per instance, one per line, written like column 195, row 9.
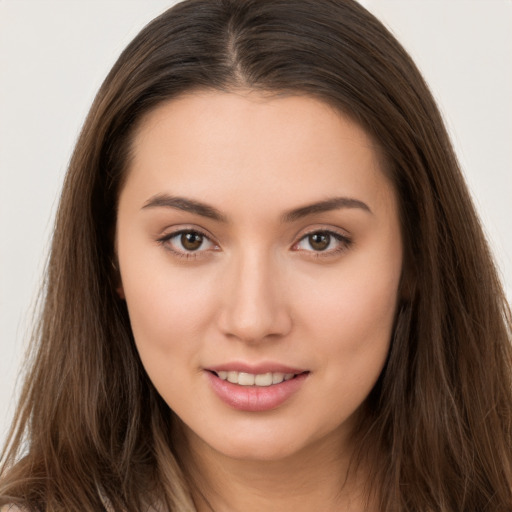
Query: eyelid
column 343, row 238
column 344, row 241
column 170, row 233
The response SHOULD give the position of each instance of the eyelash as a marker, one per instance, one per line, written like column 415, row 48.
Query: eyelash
column 184, row 253
column 343, row 243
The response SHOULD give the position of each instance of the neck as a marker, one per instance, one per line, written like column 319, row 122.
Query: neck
column 317, row 478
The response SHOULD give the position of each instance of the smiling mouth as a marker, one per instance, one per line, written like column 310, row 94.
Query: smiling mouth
column 256, row 380
column 256, row 392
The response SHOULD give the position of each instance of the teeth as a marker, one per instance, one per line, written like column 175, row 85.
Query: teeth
column 263, row 379
column 249, row 379
column 277, row 378
column 245, row 379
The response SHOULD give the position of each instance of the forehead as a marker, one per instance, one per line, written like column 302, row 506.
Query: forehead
column 221, row 146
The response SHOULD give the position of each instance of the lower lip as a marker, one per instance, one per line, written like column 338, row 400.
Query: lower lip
column 255, row 398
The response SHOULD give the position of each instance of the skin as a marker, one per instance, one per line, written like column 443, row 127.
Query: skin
column 257, row 290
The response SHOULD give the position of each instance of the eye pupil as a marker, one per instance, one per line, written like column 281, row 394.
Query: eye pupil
column 191, row 241
column 319, row 241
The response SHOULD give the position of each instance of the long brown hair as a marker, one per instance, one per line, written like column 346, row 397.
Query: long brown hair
column 437, row 427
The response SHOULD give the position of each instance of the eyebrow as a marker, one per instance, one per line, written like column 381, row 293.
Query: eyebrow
column 186, row 205
column 205, row 210
column 333, row 203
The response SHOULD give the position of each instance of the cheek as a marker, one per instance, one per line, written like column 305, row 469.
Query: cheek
column 351, row 317
column 352, row 329
column 353, row 302
column 166, row 315
column 356, row 335
column 167, row 307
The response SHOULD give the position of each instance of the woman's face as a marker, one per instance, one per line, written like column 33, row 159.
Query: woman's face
column 260, row 256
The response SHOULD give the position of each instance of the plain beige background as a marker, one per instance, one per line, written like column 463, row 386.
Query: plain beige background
column 54, row 55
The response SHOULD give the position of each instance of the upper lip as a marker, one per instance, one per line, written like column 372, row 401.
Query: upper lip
column 255, row 369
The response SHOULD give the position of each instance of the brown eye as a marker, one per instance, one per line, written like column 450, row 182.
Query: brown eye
column 329, row 243
column 191, row 240
column 319, row 241
column 189, row 243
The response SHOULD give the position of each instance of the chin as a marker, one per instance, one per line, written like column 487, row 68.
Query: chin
column 264, row 443
column 259, row 451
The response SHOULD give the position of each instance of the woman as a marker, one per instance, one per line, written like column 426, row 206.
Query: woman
column 268, row 287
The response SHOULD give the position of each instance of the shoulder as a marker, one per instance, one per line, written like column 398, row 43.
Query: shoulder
column 12, row 508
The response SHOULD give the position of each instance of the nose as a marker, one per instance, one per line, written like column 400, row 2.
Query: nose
column 255, row 306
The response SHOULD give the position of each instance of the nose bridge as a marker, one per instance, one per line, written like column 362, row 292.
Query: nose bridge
column 255, row 305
